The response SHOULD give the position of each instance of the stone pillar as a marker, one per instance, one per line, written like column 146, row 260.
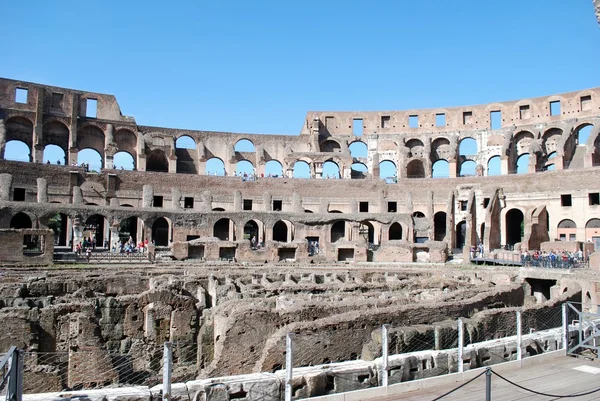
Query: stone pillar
column 2, row 138
column 140, row 163
column 42, row 190
column 267, row 201
column 206, row 201
column 72, row 151
column 114, row 235
column 77, row 196
column 237, row 201
column 232, row 231
column 504, row 167
column 77, row 231
column 297, row 203
column 532, row 163
column 147, row 196
column 109, row 147
column 559, row 162
column 452, row 168
column 38, row 139
column 176, row 198
column 172, row 164
column 5, row 185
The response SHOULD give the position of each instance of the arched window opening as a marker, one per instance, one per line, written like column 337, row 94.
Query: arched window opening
column 20, row 221
column 592, row 232
column 251, row 232
column 331, row 170
column 395, row 232
column 388, row 171
column 91, row 158
column 244, row 145
column 58, row 224
column 415, row 169
column 157, row 161
column 367, row 231
column 440, row 169
column 330, row 146
column 461, row 230
column 215, row 166
column 418, row 215
column 550, row 166
column 358, row 171
column 280, row 232
column 583, row 134
column 358, row 149
column 301, row 169
column 17, row 151
column 95, row 229
column 224, row 229
column 185, row 142
column 467, row 147
column 439, row 226
column 338, row 231
column 123, row 161
column 273, row 169
column 128, row 229
column 467, row 168
column 523, row 164
column 494, row 166
column 244, row 168
column 54, row 154
column 514, row 226
column 160, row 232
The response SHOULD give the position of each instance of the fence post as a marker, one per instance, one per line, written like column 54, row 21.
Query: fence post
column 565, row 327
column 384, row 356
column 519, row 340
column 15, row 380
column 167, row 369
column 437, row 337
column 488, row 384
column 460, row 345
column 288, row 366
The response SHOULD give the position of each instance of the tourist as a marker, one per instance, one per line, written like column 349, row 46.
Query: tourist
column 58, row 162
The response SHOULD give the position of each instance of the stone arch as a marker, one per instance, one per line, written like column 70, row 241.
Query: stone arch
column 439, row 226
column 358, row 171
column 273, row 168
column 126, row 141
column 415, row 169
column 187, row 154
column 55, row 133
column 467, row 147
column 244, row 168
column 254, row 228
column 124, row 160
column 91, row 157
column 461, row 234
column 301, row 169
column 21, row 220
column 358, row 149
column 58, row 223
column 330, row 145
column 522, row 140
column 17, row 151
column 338, row 231
column 583, row 132
column 91, row 137
column 283, row 231
column 388, row 170
column 54, row 154
column 244, row 145
column 128, row 228
column 96, row 227
column 161, row 231
column 494, row 166
column 522, row 164
column 440, row 169
column 215, row 166
column 415, row 148
column 592, row 232
column 395, row 232
column 224, row 229
column 19, row 129
column 441, row 149
column 157, row 161
column 331, row 169
column 367, row 230
column 566, row 230
column 514, row 226
column 468, row 168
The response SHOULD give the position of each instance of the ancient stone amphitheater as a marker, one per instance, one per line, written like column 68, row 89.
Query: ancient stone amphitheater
column 328, row 234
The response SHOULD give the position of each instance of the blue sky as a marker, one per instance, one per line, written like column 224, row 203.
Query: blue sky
column 259, row 66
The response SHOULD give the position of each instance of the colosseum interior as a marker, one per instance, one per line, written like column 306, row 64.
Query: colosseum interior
column 363, row 219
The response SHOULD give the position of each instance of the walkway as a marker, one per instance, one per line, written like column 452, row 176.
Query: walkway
column 558, row 376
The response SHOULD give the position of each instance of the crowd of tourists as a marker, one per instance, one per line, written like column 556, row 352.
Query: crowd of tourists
column 554, row 259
